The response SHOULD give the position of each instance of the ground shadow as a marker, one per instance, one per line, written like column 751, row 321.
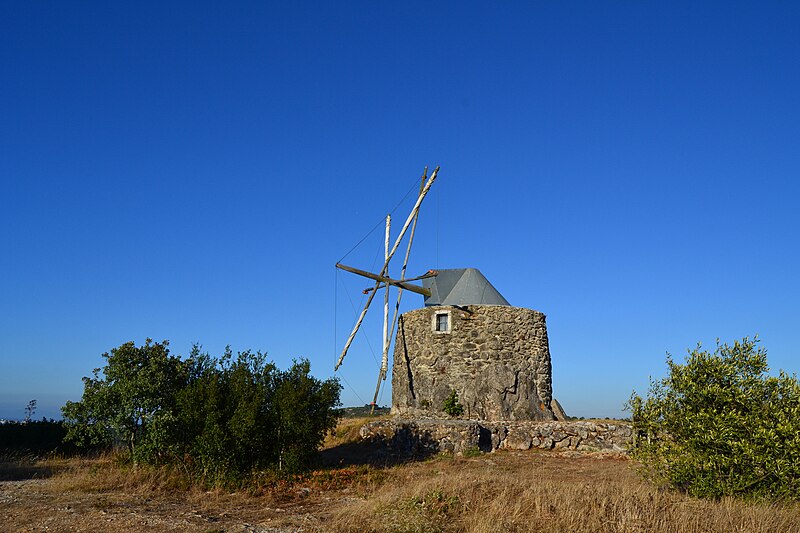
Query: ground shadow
column 404, row 446
column 20, row 471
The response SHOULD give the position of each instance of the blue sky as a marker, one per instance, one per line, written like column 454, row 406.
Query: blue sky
column 192, row 172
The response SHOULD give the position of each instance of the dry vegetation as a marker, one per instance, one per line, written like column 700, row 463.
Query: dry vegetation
column 529, row 491
column 504, row 491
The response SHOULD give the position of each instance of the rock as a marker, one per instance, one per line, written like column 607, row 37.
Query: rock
column 518, row 440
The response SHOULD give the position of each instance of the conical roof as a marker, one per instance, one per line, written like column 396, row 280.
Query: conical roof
column 461, row 286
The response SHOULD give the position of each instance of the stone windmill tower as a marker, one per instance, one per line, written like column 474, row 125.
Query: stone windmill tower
column 467, row 338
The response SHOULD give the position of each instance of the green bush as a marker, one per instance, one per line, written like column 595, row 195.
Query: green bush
column 721, row 425
column 220, row 419
column 451, row 405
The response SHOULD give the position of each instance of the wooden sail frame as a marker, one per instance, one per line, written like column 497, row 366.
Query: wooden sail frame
column 382, row 280
column 399, row 283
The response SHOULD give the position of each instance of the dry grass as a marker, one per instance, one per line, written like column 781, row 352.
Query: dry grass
column 531, row 491
column 104, row 495
column 108, row 472
column 19, row 468
column 504, row 491
column 347, row 431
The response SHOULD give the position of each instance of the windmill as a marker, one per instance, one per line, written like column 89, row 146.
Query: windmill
column 384, row 281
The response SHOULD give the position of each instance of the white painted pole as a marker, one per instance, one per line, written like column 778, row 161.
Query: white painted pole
column 385, row 343
column 385, row 359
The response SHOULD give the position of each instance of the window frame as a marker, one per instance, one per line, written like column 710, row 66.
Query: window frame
column 435, row 322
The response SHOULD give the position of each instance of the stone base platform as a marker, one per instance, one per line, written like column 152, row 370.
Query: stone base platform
column 426, row 437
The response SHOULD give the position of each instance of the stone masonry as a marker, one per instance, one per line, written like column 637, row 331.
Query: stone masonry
column 495, row 357
column 418, row 438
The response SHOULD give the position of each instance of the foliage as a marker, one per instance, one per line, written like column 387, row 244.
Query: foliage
column 241, row 414
column 721, row 425
column 30, row 409
column 436, row 503
column 133, row 401
column 303, row 415
column 451, row 405
column 35, row 436
column 224, row 421
column 219, row 419
column 472, row 451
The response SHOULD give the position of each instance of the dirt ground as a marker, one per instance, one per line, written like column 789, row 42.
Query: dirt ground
column 34, row 505
column 361, row 489
column 37, row 505
column 46, row 499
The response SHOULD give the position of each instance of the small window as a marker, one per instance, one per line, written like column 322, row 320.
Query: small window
column 442, row 322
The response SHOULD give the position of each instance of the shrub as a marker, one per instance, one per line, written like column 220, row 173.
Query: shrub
column 451, row 405
column 304, row 413
column 472, row 451
column 220, row 419
column 721, row 425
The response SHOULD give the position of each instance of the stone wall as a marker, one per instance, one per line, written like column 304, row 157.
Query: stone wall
column 410, row 438
column 495, row 357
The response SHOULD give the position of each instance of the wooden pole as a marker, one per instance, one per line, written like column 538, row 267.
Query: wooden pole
column 386, row 297
column 411, row 216
column 385, row 355
column 387, row 339
column 405, row 264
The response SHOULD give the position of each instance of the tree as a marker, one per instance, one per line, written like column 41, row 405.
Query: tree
column 133, row 402
column 721, row 425
column 30, row 409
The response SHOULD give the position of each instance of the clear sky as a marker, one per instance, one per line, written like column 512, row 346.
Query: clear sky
column 192, row 172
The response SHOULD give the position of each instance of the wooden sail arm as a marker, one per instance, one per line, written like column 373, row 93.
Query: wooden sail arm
column 383, row 279
column 428, row 274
